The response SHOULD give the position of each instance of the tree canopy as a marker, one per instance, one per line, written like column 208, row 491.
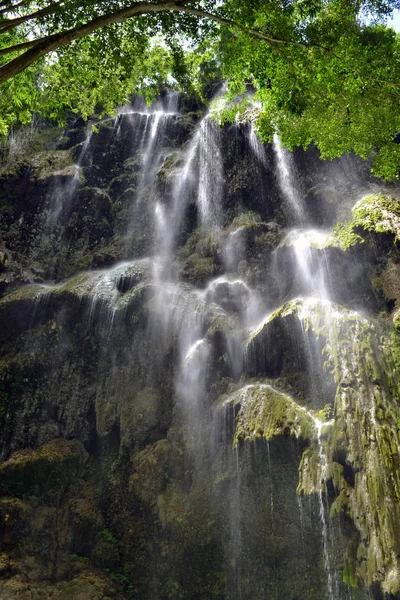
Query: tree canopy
column 322, row 71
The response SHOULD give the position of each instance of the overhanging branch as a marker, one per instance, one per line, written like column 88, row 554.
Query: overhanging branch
column 41, row 47
column 12, row 7
column 52, row 42
column 12, row 23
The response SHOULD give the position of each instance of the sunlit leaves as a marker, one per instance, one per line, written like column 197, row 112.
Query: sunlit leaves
column 327, row 79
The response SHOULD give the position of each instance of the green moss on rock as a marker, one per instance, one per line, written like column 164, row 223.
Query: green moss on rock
column 53, row 163
column 377, row 213
column 47, row 470
column 246, row 219
column 265, row 412
column 365, row 435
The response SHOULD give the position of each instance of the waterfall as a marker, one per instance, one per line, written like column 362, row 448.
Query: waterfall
column 322, row 511
column 288, row 181
column 310, row 258
column 256, row 146
column 193, row 338
column 211, row 179
column 168, row 222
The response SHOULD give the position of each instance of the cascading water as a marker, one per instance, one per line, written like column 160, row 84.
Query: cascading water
column 287, row 180
column 310, row 257
column 211, row 178
column 205, row 422
column 313, row 278
column 322, row 512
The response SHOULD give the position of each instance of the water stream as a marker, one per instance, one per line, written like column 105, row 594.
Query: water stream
column 197, row 327
column 288, row 181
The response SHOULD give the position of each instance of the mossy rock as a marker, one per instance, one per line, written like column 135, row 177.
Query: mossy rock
column 390, row 281
column 86, row 520
column 364, row 438
column 378, row 214
column 53, row 163
column 95, row 586
column 140, row 416
column 45, row 471
column 15, row 516
column 105, row 554
column 151, row 466
column 198, row 270
column 202, row 241
column 171, row 166
column 115, row 288
column 247, row 219
column 26, row 292
column 263, row 411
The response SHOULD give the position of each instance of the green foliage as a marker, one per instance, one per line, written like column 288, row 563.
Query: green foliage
column 344, row 236
column 79, row 559
column 341, row 94
column 123, row 577
column 395, row 347
column 377, row 213
column 318, row 73
column 108, row 536
column 325, row 413
column 120, row 574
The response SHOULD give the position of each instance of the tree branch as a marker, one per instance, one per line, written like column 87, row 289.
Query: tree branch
column 12, row 7
column 10, row 24
column 272, row 41
column 18, row 47
column 52, row 42
column 42, row 46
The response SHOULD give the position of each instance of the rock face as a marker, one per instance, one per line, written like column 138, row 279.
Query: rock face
column 198, row 383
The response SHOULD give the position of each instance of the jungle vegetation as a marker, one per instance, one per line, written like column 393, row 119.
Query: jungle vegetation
column 325, row 72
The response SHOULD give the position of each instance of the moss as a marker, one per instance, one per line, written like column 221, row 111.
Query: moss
column 79, row 559
column 219, row 324
column 349, row 573
column 344, row 237
column 365, row 435
column 170, row 166
column 396, row 320
column 377, row 213
column 45, row 471
column 89, row 585
column 246, row 219
column 150, row 468
column 390, row 280
column 198, row 270
column 265, row 412
column 106, row 554
column 310, row 480
column 202, row 242
column 27, row 292
column 53, row 163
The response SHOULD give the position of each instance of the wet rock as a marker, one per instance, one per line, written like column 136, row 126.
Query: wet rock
column 232, row 296
column 262, row 411
column 46, row 470
column 5, row 258
column 350, row 348
column 390, row 281
column 88, row 585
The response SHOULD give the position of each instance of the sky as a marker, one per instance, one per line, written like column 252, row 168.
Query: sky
column 395, row 20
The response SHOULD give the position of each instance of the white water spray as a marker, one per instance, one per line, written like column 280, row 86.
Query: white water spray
column 287, row 180
column 211, row 178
